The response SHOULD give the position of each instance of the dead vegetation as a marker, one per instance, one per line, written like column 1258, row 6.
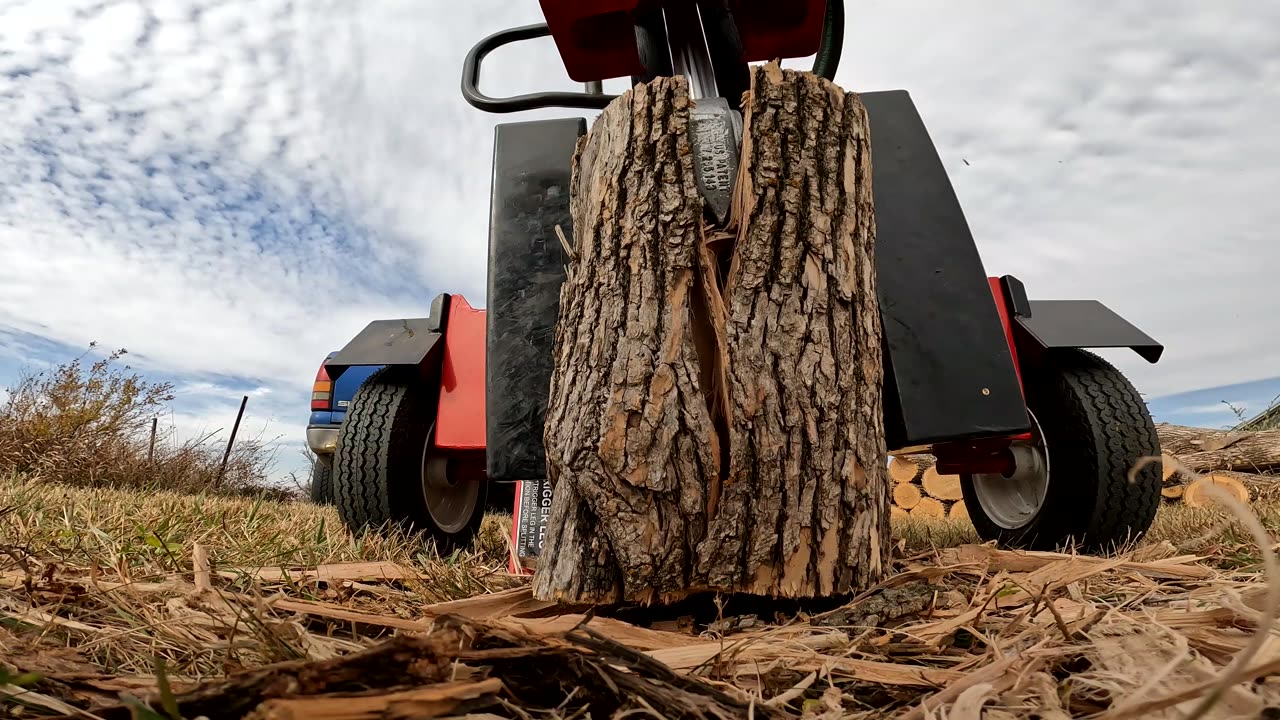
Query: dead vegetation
column 121, row 600
column 256, row 608
column 89, row 425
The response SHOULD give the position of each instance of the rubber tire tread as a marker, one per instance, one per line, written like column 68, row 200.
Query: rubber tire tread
column 378, row 461
column 1097, row 427
column 322, row 481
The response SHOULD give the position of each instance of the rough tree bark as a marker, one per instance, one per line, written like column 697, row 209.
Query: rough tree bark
column 715, row 419
column 1203, row 450
column 1181, row 440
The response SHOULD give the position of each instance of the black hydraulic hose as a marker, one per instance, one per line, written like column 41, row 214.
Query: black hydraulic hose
column 828, row 59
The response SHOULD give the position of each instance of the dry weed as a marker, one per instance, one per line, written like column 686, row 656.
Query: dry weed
column 90, row 426
column 99, row 589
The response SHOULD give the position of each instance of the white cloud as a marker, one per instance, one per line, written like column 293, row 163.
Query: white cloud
column 235, row 188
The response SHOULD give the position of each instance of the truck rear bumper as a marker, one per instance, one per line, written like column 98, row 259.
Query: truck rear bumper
column 322, row 439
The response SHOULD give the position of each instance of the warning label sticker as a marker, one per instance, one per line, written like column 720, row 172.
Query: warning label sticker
column 529, row 527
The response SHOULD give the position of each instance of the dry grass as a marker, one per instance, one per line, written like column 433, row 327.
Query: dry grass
column 89, row 424
column 100, row 588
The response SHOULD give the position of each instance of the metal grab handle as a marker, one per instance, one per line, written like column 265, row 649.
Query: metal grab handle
column 471, row 79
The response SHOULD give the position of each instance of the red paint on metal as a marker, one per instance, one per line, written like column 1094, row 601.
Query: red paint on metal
column 1006, row 320
column 596, row 38
column 512, row 557
column 779, row 29
column 460, row 415
column 1002, row 307
column 976, row 461
column 513, row 560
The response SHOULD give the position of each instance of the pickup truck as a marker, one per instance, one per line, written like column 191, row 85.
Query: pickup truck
column 329, row 402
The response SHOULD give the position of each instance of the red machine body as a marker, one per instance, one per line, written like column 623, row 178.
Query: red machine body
column 460, row 412
column 596, row 38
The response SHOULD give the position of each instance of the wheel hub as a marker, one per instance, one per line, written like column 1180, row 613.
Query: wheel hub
column 1012, row 500
column 450, row 500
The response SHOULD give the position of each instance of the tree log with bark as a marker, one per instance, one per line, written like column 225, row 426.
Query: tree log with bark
column 1203, row 450
column 715, row 419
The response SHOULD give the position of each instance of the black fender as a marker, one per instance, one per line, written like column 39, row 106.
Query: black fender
column 532, row 171
column 410, row 343
column 1045, row 325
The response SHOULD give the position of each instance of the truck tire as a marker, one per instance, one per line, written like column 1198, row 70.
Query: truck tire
column 1091, row 427
column 384, row 459
column 322, row 480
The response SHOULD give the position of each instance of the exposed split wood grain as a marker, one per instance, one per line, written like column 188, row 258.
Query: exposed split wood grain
column 715, row 416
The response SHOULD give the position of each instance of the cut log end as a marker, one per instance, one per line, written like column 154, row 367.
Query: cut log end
column 942, row 487
column 1197, row 495
column 902, row 470
column 714, row 416
column 930, row 508
column 906, row 495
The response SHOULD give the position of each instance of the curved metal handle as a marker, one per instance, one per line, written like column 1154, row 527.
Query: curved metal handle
column 517, row 103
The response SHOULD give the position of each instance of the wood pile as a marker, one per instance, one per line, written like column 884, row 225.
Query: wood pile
column 920, row 491
column 1245, row 464
column 1242, row 463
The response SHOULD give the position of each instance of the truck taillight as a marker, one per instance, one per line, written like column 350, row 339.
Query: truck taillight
column 322, row 390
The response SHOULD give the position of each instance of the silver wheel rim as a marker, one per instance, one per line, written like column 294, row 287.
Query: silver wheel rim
column 450, row 501
column 1014, row 500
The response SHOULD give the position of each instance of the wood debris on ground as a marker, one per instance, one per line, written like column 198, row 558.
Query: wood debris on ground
column 961, row 632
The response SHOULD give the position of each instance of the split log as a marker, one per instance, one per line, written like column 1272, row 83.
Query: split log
column 1172, row 492
column 714, row 420
column 943, row 487
column 906, row 495
column 958, row 511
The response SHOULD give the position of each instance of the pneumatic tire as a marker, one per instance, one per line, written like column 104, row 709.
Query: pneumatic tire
column 322, row 480
column 1092, row 427
column 381, row 461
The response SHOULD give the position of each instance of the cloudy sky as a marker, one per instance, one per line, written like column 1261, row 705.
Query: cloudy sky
column 232, row 188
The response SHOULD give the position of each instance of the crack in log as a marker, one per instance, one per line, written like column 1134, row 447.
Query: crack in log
column 713, row 429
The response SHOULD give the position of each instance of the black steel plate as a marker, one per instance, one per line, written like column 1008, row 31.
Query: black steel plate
column 1086, row 324
column 406, row 342
column 949, row 373
column 532, row 165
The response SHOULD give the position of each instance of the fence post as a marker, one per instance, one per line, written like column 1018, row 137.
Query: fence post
column 231, row 441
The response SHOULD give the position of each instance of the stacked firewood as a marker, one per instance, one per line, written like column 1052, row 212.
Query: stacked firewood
column 920, row 491
column 1245, row 464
